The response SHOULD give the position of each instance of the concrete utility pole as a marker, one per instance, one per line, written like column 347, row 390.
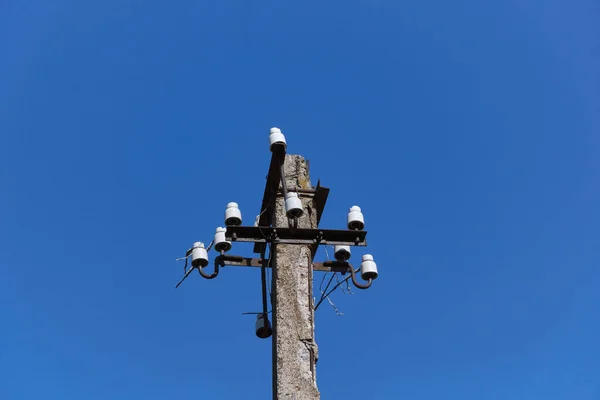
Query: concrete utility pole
column 287, row 226
column 294, row 348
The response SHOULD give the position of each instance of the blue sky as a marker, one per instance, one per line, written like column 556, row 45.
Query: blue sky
column 127, row 126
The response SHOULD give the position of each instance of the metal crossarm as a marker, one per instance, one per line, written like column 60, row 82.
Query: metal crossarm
column 258, row 234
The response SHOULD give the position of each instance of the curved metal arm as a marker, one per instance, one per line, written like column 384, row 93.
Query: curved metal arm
column 356, row 283
column 343, row 267
column 218, row 262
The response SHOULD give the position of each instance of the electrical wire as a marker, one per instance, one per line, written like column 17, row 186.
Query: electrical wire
column 186, row 274
column 263, row 279
column 261, row 213
column 335, row 287
column 327, row 287
column 325, row 274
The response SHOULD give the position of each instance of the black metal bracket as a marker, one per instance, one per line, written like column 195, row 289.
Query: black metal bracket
column 328, row 266
column 274, row 180
column 270, row 194
column 261, row 234
column 239, row 261
column 343, row 267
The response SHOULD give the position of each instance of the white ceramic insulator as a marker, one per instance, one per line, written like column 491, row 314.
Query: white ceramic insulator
column 220, row 243
column 276, row 137
column 356, row 220
column 263, row 326
column 256, row 220
column 368, row 268
column 293, row 205
column 199, row 255
column 233, row 215
column 342, row 253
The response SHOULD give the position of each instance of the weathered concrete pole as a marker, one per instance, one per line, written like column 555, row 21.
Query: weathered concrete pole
column 294, row 348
